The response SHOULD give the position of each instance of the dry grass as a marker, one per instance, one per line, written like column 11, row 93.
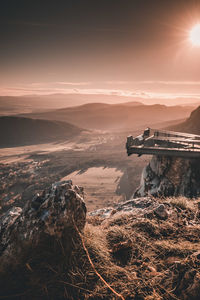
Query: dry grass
column 181, row 202
column 157, row 256
column 141, row 259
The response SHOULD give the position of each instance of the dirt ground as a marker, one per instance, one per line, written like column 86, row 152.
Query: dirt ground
column 97, row 181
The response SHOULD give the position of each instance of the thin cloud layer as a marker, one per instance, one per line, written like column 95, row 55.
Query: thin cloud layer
column 40, row 89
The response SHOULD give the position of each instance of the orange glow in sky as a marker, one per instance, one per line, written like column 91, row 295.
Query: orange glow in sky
column 139, row 49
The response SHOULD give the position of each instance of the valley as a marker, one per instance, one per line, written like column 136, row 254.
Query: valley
column 37, row 150
column 99, row 157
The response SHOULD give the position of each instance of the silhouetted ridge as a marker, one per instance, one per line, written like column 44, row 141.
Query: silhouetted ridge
column 192, row 124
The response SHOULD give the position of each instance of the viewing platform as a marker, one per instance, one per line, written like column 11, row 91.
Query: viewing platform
column 164, row 143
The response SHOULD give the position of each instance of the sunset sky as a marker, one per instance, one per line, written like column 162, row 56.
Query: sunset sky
column 138, row 48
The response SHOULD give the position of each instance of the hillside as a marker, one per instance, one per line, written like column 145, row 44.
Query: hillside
column 22, row 131
column 116, row 116
column 191, row 125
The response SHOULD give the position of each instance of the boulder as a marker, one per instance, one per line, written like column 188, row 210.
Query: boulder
column 161, row 212
column 53, row 215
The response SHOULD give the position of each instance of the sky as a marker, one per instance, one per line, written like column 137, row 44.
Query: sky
column 137, row 48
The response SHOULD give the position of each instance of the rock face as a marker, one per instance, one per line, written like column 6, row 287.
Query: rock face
column 170, row 176
column 49, row 217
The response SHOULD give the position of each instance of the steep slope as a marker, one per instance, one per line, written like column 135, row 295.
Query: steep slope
column 117, row 116
column 192, row 124
column 20, row 131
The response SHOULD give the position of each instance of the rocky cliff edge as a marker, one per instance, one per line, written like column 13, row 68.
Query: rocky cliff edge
column 170, row 176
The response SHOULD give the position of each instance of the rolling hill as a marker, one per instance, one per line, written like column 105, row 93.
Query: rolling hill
column 115, row 116
column 17, row 131
column 11, row 105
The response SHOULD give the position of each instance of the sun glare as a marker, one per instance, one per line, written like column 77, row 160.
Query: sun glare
column 195, row 35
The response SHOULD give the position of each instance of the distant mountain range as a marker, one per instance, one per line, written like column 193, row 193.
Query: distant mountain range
column 191, row 125
column 17, row 131
column 101, row 116
column 65, row 123
column 10, row 105
column 37, row 103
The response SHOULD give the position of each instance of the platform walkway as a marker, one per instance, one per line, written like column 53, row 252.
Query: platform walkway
column 166, row 143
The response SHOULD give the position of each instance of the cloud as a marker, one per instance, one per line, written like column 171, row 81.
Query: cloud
column 153, row 82
column 143, row 94
column 70, row 83
column 171, row 82
column 73, row 83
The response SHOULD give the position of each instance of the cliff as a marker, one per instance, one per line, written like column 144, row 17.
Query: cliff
column 170, row 176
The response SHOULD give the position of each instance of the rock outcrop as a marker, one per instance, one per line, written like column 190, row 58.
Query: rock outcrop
column 170, row 176
column 49, row 217
column 39, row 244
column 138, row 208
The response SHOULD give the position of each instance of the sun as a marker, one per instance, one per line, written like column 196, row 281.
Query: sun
column 195, row 35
